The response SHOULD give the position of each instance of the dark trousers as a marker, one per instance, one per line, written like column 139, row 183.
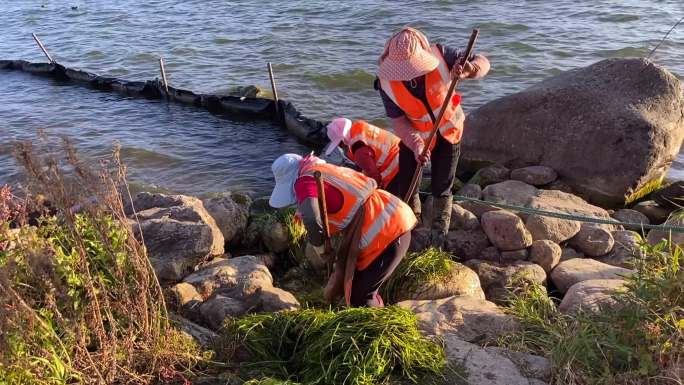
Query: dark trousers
column 367, row 282
column 444, row 159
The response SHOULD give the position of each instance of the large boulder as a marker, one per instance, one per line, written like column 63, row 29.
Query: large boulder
column 552, row 229
column 562, row 202
column 592, row 240
column 178, row 232
column 575, row 270
column 245, row 274
column 496, row 277
column 461, row 281
column 506, row 230
column 535, row 175
column 231, row 212
column 470, row 190
column 466, row 244
column 591, row 295
column 470, row 318
column 608, row 129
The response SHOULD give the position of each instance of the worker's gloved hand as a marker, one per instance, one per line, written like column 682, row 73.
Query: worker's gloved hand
column 420, row 158
column 467, row 71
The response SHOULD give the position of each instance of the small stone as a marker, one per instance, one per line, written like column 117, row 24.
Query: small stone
column 514, row 255
column 575, row 270
column 275, row 237
column 219, row 307
column 466, row 244
column 535, row 175
column 463, row 219
column 655, row 213
column 495, row 277
column 184, row 294
column 493, row 174
column 314, row 256
column 470, row 190
column 546, row 254
column 552, row 229
column 627, row 248
column 591, row 295
column 275, row 299
column 631, row 216
column 506, row 230
column 559, row 185
column 592, row 241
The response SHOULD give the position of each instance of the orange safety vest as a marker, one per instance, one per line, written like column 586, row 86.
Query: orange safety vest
column 384, row 144
column 386, row 217
column 436, row 87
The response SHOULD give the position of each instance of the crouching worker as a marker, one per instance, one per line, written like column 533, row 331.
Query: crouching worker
column 374, row 150
column 375, row 224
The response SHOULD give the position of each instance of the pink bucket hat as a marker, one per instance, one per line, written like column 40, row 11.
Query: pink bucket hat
column 338, row 132
column 407, row 55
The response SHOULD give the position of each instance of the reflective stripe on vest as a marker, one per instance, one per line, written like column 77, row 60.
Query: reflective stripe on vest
column 436, row 88
column 384, row 144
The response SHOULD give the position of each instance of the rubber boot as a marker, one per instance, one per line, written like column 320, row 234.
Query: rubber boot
column 441, row 217
column 416, row 207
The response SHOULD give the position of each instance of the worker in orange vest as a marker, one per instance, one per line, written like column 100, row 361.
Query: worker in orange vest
column 386, row 221
column 374, row 150
column 413, row 80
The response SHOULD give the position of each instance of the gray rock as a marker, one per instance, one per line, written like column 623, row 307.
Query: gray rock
column 495, row 277
column 463, row 219
column 204, row 337
column 420, row 239
column 467, row 244
column 530, row 365
column 470, row 190
column 558, row 184
column 231, row 212
column 493, row 174
column 656, row 236
column 515, row 255
column 492, row 254
column 510, row 192
column 609, row 129
column 461, row 281
column 535, row 175
column 480, row 366
column 185, row 295
column 266, row 259
column 476, row 208
column 552, row 229
column 216, row 309
column 470, row 318
column 592, row 241
column 314, row 256
column 506, row 230
column 570, row 253
column 275, row 237
column 575, row 270
column 592, row 295
column 274, row 299
column 626, row 249
column 631, row 216
column 654, row 212
column 558, row 201
column 245, row 275
column 546, row 254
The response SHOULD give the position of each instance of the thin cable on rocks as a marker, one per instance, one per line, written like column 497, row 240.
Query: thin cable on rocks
column 664, row 38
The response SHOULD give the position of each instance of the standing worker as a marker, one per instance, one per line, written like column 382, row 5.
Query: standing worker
column 385, row 221
column 413, row 80
column 374, row 150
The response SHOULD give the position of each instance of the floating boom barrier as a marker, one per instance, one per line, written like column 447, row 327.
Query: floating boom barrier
column 309, row 131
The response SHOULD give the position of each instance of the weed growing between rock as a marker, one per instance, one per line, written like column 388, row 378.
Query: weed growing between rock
column 79, row 302
column 415, row 271
column 638, row 341
column 358, row 346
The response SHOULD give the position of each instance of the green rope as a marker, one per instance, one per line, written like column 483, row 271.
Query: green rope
column 579, row 218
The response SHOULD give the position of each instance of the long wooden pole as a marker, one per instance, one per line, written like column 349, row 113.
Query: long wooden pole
column 273, row 87
column 323, row 208
column 445, row 104
column 42, row 47
column 163, row 74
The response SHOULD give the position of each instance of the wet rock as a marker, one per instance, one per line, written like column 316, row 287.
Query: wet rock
column 655, row 213
column 558, row 201
column 469, row 318
column 552, row 229
column 631, row 216
column 590, row 295
column 244, row 274
column 231, row 212
column 178, row 232
column 626, row 249
column 466, row 244
column 656, row 236
column 592, row 241
column 495, row 277
column 506, row 230
column 484, row 367
column 510, row 192
column 570, row 253
column 470, row 190
column 535, row 175
column 420, row 239
column 576, row 123
column 463, row 219
column 461, row 281
column 250, row 91
column 515, row 255
column 572, row 271
column 546, row 254
column 493, row 174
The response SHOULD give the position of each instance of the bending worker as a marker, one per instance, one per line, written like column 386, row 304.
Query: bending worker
column 386, row 221
column 413, row 80
column 373, row 149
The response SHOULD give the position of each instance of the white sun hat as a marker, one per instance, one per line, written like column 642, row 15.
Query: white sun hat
column 285, row 170
column 338, row 131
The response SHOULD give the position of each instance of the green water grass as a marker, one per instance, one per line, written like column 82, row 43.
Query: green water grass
column 415, row 271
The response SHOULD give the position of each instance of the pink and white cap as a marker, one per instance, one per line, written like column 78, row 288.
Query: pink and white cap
column 338, row 132
column 407, row 55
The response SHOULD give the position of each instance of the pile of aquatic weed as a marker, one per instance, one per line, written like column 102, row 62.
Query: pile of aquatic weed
column 264, row 222
column 639, row 341
column 79, row 302
column 357, row 346
column 416, row 271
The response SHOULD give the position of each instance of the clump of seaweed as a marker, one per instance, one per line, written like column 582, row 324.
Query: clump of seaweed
column 416, row 270
column 357, row 346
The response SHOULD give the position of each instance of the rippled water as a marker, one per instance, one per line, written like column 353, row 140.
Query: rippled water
column 324, row 56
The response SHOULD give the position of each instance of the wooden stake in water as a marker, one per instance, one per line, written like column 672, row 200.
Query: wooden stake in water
column 42, row 47
column 273, row 87
column 163, row 74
